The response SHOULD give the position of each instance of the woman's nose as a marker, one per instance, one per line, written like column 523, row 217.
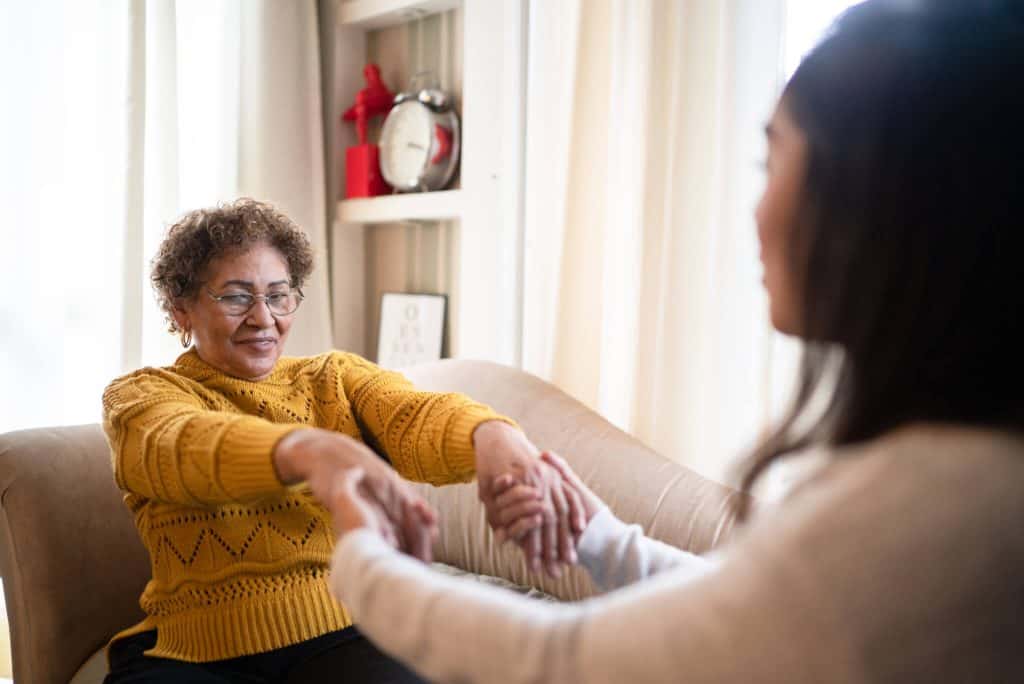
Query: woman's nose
column 259, row 315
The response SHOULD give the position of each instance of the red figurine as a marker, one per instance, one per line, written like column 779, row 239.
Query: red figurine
column 362, row 162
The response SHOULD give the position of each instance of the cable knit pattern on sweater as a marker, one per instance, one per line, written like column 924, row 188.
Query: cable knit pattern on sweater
column 239, row 560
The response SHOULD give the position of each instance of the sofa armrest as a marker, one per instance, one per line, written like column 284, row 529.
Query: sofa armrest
column 65, row 599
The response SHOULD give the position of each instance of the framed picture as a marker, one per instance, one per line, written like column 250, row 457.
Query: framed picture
column 411, row 329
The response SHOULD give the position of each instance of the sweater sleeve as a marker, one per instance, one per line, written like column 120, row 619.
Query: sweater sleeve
column 616, row 554
column 723, row 626
column 427, row 436
column 169, row 446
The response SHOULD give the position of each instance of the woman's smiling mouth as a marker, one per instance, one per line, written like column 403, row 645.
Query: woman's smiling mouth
column 258, row 343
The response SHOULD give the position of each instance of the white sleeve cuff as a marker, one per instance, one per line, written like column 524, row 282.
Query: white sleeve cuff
column 603, row 529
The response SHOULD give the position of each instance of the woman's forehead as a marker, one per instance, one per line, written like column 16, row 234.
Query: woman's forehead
column 257, row 265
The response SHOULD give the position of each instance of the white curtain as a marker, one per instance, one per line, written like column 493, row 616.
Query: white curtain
column 118, row 117
column 642, row 292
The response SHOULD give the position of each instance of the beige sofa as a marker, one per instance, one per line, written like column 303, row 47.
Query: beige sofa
column 73, row 566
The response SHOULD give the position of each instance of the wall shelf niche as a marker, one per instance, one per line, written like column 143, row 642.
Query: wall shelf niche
column 464, row 242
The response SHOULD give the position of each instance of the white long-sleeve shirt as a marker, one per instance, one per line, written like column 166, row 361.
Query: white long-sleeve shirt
column 901, row 562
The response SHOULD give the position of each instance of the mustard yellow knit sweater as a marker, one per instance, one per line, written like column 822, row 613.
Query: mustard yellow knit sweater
column 238, row 559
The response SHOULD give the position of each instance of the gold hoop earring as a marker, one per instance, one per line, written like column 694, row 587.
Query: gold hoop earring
column 186, row 339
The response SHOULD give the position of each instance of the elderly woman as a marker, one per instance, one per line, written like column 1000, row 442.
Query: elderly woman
column 213, row 453
column 891, row 237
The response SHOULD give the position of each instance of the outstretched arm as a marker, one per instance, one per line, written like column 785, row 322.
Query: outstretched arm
column 167, row 445
column 672, row 628
column 427, row 436
column 765, row 614
column 445, row 438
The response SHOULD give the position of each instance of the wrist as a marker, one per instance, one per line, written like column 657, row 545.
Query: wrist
column 493, row 436
column 592, row 509
column 489, row 431
column 297, row 452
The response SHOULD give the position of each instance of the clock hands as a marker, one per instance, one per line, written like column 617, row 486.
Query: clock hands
column 415, row 146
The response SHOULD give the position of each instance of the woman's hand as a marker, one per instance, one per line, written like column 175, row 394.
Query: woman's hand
column 322, row 459
column 547, row 529
column 590, row 502
column 519, row 506
column 352, row 508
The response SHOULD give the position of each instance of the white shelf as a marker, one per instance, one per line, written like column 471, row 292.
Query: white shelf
column 374, row 14
column 422, row 206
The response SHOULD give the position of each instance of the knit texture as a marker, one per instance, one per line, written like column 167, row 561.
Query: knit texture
column 239, row 560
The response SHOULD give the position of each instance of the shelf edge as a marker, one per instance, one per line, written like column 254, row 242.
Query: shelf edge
column 426, row 206
column 375, row 14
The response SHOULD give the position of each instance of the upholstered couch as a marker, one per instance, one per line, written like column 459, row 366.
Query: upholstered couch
column 73, row 567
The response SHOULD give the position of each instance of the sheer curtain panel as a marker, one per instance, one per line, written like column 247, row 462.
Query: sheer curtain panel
column 121, row 116
column 642, row 292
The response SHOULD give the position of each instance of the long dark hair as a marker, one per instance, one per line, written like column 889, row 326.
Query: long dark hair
column 910, row 246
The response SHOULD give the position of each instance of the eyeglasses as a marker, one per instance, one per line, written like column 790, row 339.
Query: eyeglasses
column 239, row 303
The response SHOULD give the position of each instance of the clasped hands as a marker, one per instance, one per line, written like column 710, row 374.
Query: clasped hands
column 531, row 499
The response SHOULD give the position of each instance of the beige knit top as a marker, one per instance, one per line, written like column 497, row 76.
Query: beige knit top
column 902, row 560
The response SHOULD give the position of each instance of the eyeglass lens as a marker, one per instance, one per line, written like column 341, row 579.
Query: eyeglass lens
column 280, row 303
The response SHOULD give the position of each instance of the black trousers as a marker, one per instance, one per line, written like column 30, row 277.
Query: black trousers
column 342, row 656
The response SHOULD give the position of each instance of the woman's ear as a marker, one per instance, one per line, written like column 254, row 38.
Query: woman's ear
column 181, row 317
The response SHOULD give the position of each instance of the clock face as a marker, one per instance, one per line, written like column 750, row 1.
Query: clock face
column 405, row 144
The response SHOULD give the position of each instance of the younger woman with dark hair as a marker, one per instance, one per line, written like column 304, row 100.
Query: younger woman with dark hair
column 891, row 237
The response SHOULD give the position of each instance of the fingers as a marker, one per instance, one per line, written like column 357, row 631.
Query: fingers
column 517, row 502
column 519, row 529
column 385, row 487
column 565, row 541
column 577, row 512
column 549, row 541
column 502, row 483
column 542, row 546
column 350, row 480
column 419, row 531
column 541, row 509
column 411, row 520
column 510, row 501
column 516, row 494
column 549, row 528
column 388, row 531
column 412, row 532
column 486, row 494
column 418, row 524
column 523, row 509
column 582, row 500
column 532, row 547
column 559, row 464
column 426, row 512
column 350, row 506
column 489, row 488
column 380, row 519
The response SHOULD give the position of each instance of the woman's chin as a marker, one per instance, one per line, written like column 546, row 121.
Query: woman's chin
column 263, row 371
column 257, row 367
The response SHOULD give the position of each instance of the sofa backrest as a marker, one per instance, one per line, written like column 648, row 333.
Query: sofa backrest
column 671, row 502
